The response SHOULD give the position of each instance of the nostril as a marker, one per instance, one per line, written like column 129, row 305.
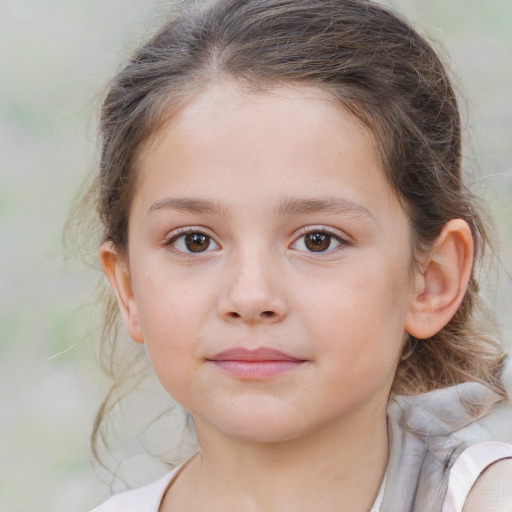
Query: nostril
column 268, row 314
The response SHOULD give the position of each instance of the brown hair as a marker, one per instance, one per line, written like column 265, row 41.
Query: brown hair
column 378, row 67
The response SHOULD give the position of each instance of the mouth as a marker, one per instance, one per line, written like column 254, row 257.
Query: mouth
column 259, row 364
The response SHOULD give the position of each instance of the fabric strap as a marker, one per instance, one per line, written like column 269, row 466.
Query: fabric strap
column 468, row 467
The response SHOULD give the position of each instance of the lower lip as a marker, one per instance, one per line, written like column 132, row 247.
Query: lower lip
column 257, row 370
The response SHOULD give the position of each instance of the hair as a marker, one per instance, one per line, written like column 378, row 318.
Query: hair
column 373, row 63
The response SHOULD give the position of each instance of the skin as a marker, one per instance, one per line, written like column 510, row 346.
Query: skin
column 493, row 489
column 299, row 440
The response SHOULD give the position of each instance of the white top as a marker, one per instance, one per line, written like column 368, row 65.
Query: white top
column 149, row 498
column 463, row 474
column 380, row 496
column 144, row 499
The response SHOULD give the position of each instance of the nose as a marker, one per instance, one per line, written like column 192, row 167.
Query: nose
column 253, row 293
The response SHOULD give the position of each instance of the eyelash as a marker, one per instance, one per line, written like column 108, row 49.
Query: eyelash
column 180, row 233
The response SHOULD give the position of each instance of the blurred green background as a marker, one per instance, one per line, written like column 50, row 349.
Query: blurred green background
column 55, row 57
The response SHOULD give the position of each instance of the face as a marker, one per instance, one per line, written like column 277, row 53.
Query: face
column 268, row 264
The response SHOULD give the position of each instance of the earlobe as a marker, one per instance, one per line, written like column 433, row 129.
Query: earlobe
column 442, row 283
column 116, row 268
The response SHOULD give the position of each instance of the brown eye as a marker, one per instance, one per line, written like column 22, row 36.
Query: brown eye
column 317, row 242
column 191, row 242
column 197, row 242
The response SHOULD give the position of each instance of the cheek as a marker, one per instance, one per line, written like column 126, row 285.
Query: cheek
column 168, row 298
column 172, row 312
column 359, row 317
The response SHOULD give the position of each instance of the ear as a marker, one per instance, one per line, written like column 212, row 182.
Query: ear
column 117, row 270
column 441, row 284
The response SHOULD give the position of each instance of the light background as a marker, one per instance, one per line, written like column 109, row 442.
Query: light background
column 55, row 56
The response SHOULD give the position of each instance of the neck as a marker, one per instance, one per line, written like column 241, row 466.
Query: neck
column 338, row 468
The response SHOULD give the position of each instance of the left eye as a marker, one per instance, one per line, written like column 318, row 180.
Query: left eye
column 192, row 242
column 317, row 241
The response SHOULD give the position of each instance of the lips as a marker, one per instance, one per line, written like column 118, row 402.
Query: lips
column 258, row 364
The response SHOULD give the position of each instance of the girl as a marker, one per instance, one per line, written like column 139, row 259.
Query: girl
column 286, row 230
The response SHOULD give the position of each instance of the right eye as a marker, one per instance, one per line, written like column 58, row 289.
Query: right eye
column 191, row 242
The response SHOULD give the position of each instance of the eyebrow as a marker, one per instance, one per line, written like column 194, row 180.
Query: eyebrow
column 290, row 206
column 189, row 205
column 324, row 204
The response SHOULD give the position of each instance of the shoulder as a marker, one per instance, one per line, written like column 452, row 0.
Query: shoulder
column 492, row 491
column 143, row 499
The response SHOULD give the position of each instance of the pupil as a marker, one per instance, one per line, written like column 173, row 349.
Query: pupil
column 196, row 242
column 318, row 242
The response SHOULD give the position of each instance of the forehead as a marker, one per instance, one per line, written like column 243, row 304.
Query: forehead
column 294, row 139
column 266, row 105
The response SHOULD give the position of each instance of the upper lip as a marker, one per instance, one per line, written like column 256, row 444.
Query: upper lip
column 258, row 354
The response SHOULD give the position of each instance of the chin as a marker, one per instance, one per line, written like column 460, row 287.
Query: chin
column 263, row 428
